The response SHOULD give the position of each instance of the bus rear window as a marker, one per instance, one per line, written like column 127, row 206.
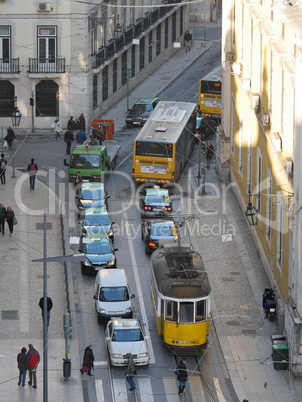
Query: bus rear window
column 159, row 149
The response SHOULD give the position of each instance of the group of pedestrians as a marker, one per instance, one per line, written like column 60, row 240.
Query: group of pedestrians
column 8, row 215
column 76, row 130
column 28, row 361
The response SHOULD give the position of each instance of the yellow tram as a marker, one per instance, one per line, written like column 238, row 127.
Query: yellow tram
column 180, row 293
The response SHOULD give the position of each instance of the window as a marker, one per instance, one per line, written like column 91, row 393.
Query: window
column 200, row 313
column 171, row 310
column 7, row 94
column 124, row 67
column 105, row 83
column 95, row 91
column 174, row 27
column 158, row 39
column 279, row 230
column 142, row 53
column 47, row 44
column 114, row 76
column 259, row 178
column 181, row 21
column 133, row 61
column 4, row 43
column 186, row 312
column 268, row 205
column 150, row 47
column 46, row 98
column 166, row 33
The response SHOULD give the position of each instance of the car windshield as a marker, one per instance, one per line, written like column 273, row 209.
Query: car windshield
column 83, row 161
column 157, row 199
column 162, row 230
column 98, row 248
column 139, row 109
column 93, row 194
column 114, row 294
column 96, row 220
column 127, row 335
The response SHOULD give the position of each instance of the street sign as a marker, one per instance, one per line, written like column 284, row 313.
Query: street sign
column 58, row 95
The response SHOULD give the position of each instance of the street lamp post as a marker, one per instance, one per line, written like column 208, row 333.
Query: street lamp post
column 64, row 258
column 16, row 115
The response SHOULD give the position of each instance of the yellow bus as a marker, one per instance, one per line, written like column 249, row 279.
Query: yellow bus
column 165, row 143
column 209, row 95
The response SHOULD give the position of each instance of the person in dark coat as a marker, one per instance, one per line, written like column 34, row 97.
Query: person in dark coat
column 71, row 124
column 49, row 304
column 33, row 359
column 77, row 125
column 3, row 164
column 210, row 153
column 2, row 218
column 130, row 372
column 32, row 169
column 88, row 359
column 188, row 40
column 10, row 219
column 81, row 137
column 10, row 136
column 182, row 375
column 82, row 121
column 68, row 138
column 22, row 366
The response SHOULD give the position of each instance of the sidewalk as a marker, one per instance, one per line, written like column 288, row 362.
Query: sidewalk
column 21, row 288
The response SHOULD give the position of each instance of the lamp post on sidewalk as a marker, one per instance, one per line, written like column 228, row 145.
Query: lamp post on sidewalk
column 64, row 258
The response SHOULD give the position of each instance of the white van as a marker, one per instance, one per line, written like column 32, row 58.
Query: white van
column 112, row 295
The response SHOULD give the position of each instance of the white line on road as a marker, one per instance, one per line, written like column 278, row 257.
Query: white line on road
column 218, row 390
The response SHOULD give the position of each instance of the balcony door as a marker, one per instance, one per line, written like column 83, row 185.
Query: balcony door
column 4, row 49
column 47, row 48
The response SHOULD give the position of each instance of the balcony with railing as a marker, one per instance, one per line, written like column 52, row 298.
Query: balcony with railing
column 9, row 66
column 44, row 66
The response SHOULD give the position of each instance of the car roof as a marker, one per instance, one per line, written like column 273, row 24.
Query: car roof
column 157, row 191
column 96, row 211
column 125, row 323
column 95, row 238
column 142, row 101
column 167, row 223
column 92, row 185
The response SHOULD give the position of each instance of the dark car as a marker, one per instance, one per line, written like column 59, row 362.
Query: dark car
column 99, row 252
column 97, row 221
column 205, row 127
column 140, row 111
column 157, row 232
column 155, row 203
column 91, row 195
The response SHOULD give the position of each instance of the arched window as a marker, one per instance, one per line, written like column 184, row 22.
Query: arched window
column 7, row 94
column 46, row 98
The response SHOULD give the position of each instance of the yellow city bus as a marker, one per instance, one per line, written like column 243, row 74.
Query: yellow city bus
column 209, row 95
column 165, row 143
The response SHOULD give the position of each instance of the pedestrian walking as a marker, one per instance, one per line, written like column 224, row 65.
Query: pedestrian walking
column 130, row 372
column 3, row 164
column 77, row 125
column 82, row 121
column 33, row 359
column 188, row 40
column 78, row 179
column 88, row 360
column 9, row 138
column 32, row 169
column 182, row 376
column 210, row 153
column 81, row 137
column 49, row 305
column 71, row 124
column 2, row 219
column 10, row 219
column 22, row 366
column 57, row 125
column 68, row 138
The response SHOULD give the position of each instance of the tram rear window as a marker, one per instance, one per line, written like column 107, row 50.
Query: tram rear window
column 200, row 310
column 159, row 149
column 186, row 313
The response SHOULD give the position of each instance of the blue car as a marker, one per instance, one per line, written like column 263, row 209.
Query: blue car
column 140, row 111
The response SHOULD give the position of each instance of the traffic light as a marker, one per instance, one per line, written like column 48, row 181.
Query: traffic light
column 203, row 149
column 31, row 101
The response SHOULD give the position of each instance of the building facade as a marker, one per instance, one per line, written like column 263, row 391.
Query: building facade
column 260, row 141
column 63, row 58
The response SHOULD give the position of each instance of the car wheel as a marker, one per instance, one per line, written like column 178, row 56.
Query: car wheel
column 147, row 251
column 142, row 234
column 83, row 270
column 99, row 320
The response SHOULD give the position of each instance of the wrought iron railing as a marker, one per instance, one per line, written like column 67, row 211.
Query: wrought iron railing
column 42, row 65
column 9, row 66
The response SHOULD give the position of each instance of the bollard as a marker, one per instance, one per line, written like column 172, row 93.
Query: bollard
column 66, row 368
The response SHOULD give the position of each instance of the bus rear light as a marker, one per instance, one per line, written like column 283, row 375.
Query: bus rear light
column 173, row 175
column 133, row 172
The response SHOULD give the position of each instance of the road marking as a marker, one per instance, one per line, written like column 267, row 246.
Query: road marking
column 100, row 363
column 23, row 264
column 120, row 389
column 139, row 291
column 145, row 389
column 99, row 390
column 218, row 390
column 171, row 389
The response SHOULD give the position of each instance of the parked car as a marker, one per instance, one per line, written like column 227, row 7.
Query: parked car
column 140, row 111
column 112, row 295
column 96, row 220
column 157, row 232
column 205, row 127
column 99, row 252
column 91, row 195
column 155, row 202
column 126, row 336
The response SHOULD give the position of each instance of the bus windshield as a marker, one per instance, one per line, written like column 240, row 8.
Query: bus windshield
column 84, row 161
column 159, row 149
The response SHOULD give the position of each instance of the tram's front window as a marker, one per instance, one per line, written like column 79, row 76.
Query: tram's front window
column 186, row 312
column 200, row 310
column 171, row 310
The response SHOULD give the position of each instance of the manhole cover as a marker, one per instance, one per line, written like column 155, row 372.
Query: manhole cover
column 40, row 226
column 9, row 314
column 227, row 279
column 249, row 332
column 233, row 323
